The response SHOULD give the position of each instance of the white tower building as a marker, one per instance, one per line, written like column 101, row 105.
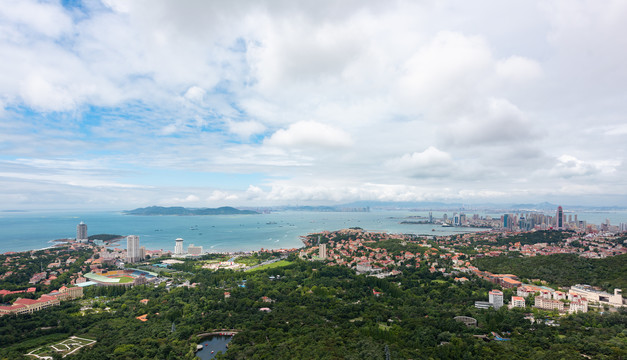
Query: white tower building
column 495, row 297
column 178, row 248
column 132, row 249
column 81, row 232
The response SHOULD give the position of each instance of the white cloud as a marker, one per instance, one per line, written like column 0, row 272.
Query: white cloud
column 395, row 101
column 195, row 94
column 518, row 69
column 569, row 166
column 220, row 196
column 46, row 18
column 430, row 162
column 496, row 121
column 245, row 129
column 305, row 134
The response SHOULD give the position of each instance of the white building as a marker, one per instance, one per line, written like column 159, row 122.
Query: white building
column 194, row 250
column 578, row 306
column 548, row 304
column 132, row 249
column 322, row 251
column 602, row 297
column 81, row 232
column 518, row 301
column 495, row 297
column 178, row 248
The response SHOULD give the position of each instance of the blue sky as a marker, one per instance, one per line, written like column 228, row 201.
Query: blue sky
column 115, row 104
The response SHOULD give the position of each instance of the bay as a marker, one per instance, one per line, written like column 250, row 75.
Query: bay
column 21, row 231
column 216, row 233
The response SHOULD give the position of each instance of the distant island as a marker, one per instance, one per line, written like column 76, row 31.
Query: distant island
column 181, row 211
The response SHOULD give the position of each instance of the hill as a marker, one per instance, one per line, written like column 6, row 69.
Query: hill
column 562, row 269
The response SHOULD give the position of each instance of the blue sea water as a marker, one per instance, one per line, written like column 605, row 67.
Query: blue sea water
column 35, row 230
column 22, row 231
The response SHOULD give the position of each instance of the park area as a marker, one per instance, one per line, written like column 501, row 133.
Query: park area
column 63, row 348
column 276, row 264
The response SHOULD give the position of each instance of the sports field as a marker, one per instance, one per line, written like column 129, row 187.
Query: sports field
column 63, row 348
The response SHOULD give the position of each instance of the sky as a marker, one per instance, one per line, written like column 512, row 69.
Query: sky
column 118, row 104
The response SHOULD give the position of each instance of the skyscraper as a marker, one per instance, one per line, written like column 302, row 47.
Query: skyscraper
column 132, row 249
column 559, row 218
column 178, row 248
column 322, row 251
column 81, row 232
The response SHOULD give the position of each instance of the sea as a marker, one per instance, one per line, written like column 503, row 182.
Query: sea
column 21, row 231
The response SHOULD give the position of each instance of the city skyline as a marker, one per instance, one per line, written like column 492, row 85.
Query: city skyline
column 117, row 105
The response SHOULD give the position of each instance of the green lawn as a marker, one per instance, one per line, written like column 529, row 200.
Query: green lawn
column 277, row 264
column 125, row 280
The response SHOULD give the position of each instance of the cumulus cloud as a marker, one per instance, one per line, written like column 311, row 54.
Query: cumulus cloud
column 188, row 199
column 569, row 166
column 445, row 70
column 430, row 162
column 220, row 196
column 305, row 134
column 391, row 102
column 495, row 121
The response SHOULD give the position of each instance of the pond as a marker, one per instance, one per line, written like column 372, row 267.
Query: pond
column 212, row 346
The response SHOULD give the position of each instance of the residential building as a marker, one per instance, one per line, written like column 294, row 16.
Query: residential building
column 518, row 301
column 132, row 249
column 495, row 297
column 81, row 232
column 580, row 305
column 322, row 252
column 548, row 304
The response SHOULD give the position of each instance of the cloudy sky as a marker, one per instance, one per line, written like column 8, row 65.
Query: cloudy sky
column 117, row 104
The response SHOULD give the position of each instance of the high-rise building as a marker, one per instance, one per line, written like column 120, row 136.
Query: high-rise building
column 322, row 251
column 559, row 218
column 495, row 297
column 132, row 249
column 178, row 248
column 81, row 232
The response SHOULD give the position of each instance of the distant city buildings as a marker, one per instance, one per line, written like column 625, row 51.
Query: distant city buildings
column 81, row 232
column 132, row 249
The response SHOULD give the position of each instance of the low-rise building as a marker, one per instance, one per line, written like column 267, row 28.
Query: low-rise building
column 518, row 301
column 602, row 297
column 548, row 304
column 578, row 306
